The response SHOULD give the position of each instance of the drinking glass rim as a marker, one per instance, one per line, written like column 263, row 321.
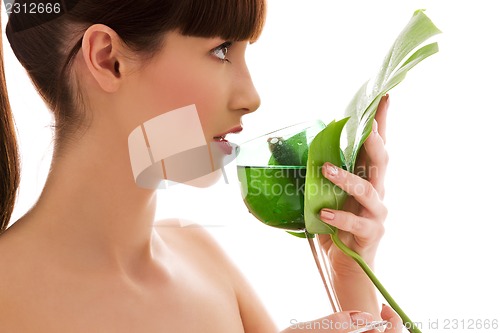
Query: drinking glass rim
column 310, row 123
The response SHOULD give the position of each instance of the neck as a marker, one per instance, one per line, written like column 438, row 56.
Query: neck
column 92, row 206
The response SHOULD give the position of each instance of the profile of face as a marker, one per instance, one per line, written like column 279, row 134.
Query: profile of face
column 104, row 70
column 209, row 73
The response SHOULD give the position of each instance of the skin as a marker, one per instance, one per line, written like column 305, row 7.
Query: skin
column 361, row 221
column 88, row 258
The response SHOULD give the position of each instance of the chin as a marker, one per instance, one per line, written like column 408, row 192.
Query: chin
column 206, row 180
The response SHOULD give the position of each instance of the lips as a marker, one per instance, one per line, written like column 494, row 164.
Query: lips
column 222, row 137
column 223, row 144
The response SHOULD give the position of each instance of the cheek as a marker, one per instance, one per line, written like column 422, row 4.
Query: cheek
column 161, row 93
column 177, row 88
column 177, row 81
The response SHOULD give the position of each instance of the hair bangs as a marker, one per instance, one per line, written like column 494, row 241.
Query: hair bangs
column 235, row 20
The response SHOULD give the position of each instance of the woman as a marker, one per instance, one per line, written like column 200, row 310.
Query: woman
column 86, row 257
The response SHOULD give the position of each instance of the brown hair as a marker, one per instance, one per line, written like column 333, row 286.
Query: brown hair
column 46, row 45
column 9, row 159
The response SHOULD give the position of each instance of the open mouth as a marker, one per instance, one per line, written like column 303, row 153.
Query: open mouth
column 220, row 138
column 225, row 146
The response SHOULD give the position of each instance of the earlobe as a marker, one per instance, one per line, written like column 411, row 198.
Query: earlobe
column 100, row 46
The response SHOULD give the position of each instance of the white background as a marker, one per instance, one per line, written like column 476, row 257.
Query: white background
column 438, row 254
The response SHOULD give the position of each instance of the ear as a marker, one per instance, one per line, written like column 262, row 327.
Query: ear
column 101, row 48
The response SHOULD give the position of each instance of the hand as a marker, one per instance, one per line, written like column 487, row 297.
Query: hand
column 347, row 321
column 360, row 223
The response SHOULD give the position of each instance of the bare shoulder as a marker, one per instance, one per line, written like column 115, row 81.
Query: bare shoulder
column 195, row 238
column 186, row 230
column 15, row 266
column 12, row 256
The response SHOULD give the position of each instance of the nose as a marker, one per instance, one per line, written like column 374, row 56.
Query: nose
column 244, row 96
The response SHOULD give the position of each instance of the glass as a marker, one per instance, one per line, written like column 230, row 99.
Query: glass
column 272, row 170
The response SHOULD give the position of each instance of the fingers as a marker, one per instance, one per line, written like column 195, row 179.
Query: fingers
column 373, row 158
column 361, row 227
column 395, row 324
column 361, row 164
column 361, row 189
column 377, row 155
column 381, row 115
column 347, row 321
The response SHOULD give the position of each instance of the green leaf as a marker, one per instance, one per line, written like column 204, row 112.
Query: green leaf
column 320, row 192
column 364, row 105
column 360, row 113
column 304, row 234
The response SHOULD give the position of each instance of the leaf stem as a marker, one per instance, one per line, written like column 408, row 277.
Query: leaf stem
column 412, row 327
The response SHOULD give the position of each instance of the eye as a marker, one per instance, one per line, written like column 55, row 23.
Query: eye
column 221, row 51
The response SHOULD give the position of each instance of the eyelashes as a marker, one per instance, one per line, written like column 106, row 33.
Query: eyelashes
column 220, row 52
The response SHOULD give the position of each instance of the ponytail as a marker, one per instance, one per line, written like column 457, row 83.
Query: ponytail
column 9, row 158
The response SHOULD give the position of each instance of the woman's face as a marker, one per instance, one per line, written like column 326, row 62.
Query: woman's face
column 208, row 72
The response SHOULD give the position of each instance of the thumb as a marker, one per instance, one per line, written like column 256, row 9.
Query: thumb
column 394, row 323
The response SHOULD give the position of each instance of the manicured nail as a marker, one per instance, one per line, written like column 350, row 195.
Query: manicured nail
column 327, row 215
column 375, row 126
column 332, row 170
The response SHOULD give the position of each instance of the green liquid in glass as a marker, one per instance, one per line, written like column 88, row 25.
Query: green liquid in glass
column 275, row 194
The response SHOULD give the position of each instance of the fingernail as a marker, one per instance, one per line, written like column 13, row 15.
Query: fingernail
column 327, row 215
column 361, row 318
column 331, row 170
column 374, row 126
